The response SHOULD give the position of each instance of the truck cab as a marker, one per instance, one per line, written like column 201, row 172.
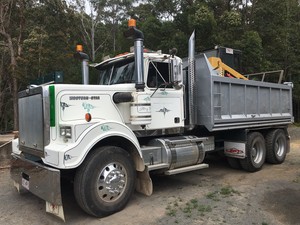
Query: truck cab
column 163, row 90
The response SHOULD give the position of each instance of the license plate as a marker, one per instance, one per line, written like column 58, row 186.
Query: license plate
column 25, row 183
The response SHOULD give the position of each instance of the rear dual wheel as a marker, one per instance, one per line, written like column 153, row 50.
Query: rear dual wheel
column 273, row 149
column 255, row 152
column 234, row 163
column 276, row 143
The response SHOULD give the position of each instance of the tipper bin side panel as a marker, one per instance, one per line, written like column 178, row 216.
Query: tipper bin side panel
column 225, row 103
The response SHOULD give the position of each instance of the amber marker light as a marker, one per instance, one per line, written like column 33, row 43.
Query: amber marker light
column 131, row 23
column 79, row 48
column 88, row 117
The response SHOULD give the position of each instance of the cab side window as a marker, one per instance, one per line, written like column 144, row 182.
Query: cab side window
column 158, row 75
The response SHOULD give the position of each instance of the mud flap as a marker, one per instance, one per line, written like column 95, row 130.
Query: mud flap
column 56, row 210
column 235, row 149
column 144, row 182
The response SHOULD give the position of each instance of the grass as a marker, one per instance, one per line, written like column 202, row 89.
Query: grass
column 228, row 191
column 223, row 192
column 171, row 210
column 204, row 208
column 188, row 209
column 178, row 207
column 193, row 206
column 213, row 196
column 296, row 124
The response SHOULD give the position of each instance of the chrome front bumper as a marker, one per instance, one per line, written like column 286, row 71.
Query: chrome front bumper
column 40, row 180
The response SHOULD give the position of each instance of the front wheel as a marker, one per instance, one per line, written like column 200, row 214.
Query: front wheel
column 105, row 181
column 255, row 152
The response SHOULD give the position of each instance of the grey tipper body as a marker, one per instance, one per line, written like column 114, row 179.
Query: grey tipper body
column 223, row 103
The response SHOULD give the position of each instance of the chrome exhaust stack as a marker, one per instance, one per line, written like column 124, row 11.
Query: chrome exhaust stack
column 191, row 75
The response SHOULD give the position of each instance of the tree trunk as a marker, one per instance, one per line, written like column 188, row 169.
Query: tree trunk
column 13, row 63
column 6, row 10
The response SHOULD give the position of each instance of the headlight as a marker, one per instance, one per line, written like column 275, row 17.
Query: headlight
column 62, row 131
column 66, row 132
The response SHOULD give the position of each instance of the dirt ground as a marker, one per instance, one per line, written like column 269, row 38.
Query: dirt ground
column 217, row 195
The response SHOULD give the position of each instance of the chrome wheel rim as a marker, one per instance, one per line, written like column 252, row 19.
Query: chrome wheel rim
column 279, row 146
column 112, row 182
column 257, row 152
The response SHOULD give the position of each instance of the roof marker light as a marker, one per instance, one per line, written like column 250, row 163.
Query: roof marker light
column 132, row 23
column 79, row 48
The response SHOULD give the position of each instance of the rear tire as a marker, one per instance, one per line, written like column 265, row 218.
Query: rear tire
column 255, row 152
column 105, row 181
column 234, row 163
column 276, row 144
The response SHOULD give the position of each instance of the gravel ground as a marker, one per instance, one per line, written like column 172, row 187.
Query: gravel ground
column 217, row 195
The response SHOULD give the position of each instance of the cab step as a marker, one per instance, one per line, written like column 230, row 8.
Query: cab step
column 186, row 169
column 158, row 166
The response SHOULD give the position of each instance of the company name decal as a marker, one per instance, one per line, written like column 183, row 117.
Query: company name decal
column 234, row 151
column 81, row 98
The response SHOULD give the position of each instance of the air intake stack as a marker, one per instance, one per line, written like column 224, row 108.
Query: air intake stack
column 138, row 37
column 84, row 58
column 140, row 108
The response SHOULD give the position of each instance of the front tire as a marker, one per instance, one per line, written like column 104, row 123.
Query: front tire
column 276, row 143
column 105, row 181
column 255, row 152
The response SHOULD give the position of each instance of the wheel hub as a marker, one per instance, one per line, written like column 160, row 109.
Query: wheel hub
column 279, row 147
column 257, row 153
column 254, row 152
column 112, row 182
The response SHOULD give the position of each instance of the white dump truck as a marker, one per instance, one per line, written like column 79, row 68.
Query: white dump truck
column 149, row 112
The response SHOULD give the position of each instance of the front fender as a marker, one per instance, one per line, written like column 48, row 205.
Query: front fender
column 95, row 134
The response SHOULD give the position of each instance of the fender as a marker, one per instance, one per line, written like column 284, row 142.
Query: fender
column 95, row 134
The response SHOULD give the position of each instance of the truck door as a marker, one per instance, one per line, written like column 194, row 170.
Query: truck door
column 166, row 98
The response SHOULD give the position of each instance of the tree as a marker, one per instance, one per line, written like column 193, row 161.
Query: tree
column 253, row 59
column 12, row 34
column 273, row 22
column 94, row 33
column 112, row 12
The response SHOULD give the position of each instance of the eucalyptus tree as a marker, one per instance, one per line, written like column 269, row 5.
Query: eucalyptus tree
column 112, row 13
column 12, row 25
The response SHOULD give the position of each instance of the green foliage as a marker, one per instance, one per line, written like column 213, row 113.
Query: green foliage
column 44, row 35
column 253, row 58
column 189, row 209
column 204, row 22
column 152, row 29
column 223, row 192
column 231, row 19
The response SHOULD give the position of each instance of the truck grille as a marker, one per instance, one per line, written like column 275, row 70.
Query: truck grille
column 32, row 132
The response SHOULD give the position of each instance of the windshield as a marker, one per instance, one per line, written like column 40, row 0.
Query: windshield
column 117, row 72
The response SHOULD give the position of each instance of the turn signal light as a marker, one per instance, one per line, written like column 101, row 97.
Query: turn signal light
column 88, row 117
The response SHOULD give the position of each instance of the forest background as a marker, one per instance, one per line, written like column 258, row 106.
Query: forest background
column 38, row 37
